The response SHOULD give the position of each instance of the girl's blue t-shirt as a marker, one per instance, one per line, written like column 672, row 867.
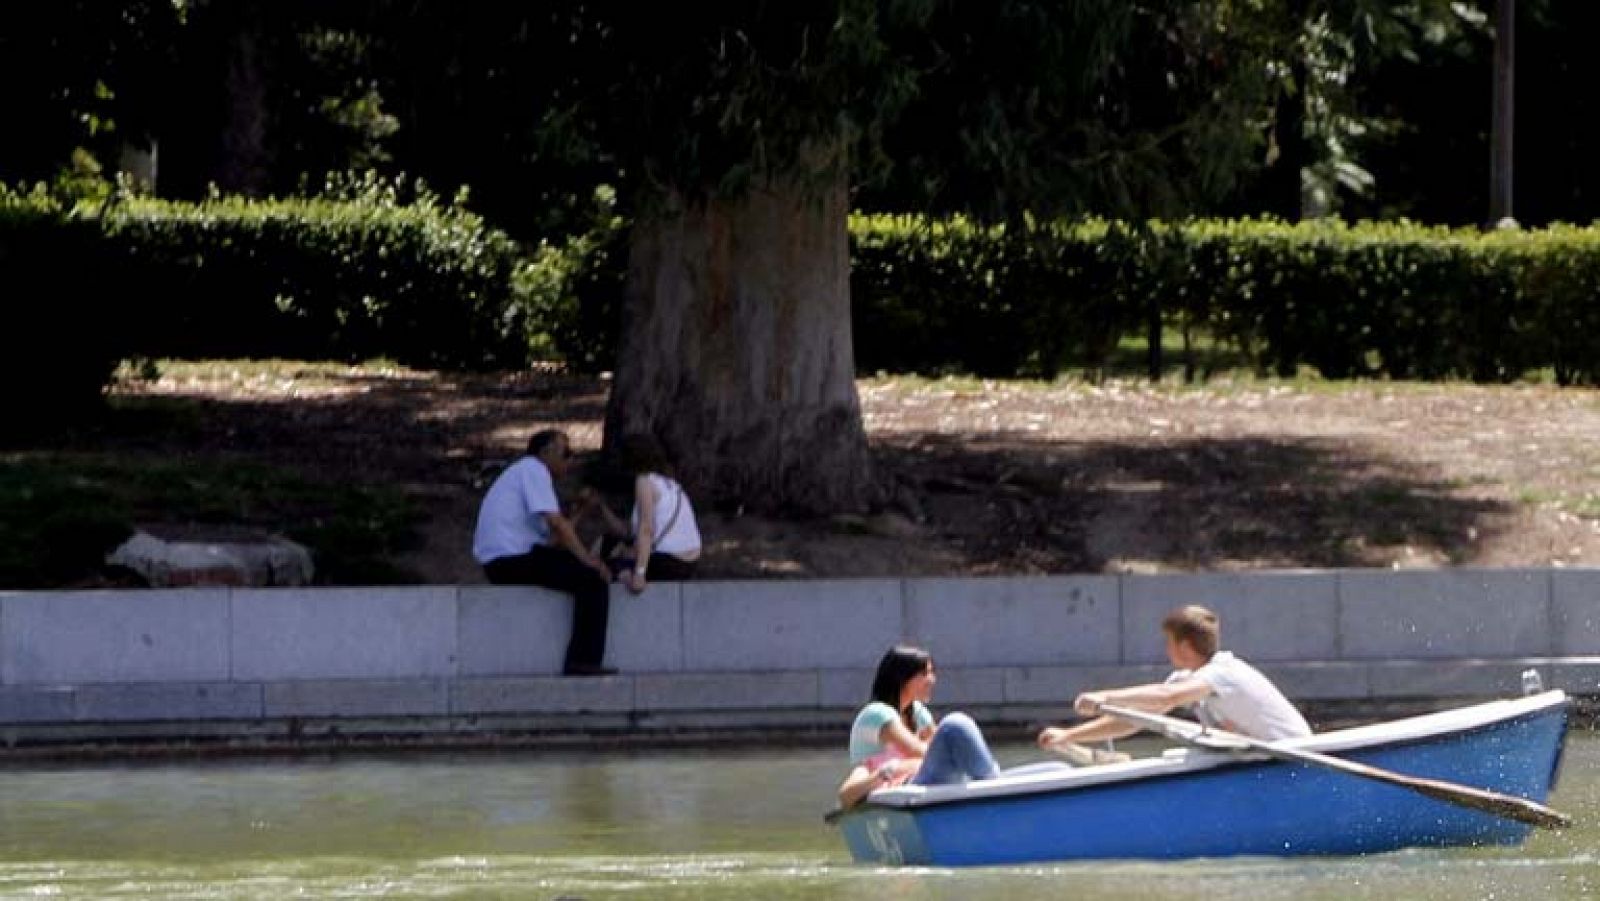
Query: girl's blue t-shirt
column 865, row 741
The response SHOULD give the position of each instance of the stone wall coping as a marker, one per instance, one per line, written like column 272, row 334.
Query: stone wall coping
column 457, row 656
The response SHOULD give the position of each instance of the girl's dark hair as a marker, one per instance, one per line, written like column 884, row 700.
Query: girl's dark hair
column 642, row 453
column 900, row 664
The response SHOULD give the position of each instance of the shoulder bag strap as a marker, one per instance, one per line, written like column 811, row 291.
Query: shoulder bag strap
column 655, row 540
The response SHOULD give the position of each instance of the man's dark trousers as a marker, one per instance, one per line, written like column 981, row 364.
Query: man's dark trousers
column 556, row 568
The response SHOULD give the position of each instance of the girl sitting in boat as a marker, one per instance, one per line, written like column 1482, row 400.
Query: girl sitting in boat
column 895, row 740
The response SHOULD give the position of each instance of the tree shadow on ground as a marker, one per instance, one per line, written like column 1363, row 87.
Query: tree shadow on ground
column 340, row 452
column 1029, row 505
column 445, row 429
column 983, row 501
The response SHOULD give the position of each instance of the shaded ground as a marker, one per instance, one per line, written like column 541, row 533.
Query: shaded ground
column 993, row 477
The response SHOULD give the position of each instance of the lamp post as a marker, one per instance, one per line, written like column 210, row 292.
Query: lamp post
column 1505, row 15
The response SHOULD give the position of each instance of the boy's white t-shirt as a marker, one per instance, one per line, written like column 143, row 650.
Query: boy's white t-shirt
column 1242, row 700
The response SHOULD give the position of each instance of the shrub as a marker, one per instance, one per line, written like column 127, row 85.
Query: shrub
column 370, row 269
column 1368, row 300
column 64, row 314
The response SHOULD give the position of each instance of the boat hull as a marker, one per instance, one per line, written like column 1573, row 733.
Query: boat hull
column 1213, row 807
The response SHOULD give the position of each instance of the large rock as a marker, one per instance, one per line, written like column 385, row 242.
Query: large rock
column 174, row 557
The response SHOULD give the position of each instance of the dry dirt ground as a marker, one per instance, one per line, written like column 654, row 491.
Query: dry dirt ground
column 1000, row 477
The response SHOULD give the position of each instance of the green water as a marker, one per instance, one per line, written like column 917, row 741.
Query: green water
column 677, row 824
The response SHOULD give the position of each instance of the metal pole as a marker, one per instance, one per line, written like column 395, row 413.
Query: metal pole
column 1504, row 102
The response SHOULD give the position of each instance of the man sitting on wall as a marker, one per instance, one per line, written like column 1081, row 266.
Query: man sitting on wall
column 523, row 539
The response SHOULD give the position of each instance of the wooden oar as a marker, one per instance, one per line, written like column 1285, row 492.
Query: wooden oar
column 1520, row 809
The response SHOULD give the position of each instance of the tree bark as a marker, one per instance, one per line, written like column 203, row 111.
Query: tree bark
column 244, row 159
column 1285, row 179
column 1293, row 153
column 736, row 347
column 1501, row 143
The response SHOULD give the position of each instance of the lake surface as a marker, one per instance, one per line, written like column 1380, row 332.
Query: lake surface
column 663, row 824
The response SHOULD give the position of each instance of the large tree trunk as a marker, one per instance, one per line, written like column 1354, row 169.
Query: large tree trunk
column 736, row 348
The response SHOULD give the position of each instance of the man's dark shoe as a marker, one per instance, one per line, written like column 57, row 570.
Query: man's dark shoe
column 588, row 669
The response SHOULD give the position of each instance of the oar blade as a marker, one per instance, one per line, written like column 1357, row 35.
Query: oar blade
column 1523, row 810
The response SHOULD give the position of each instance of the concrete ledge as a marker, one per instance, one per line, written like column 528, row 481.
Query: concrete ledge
column 343, row 633
column 695, row 708
column 113, row 636
column 1060, row 684
column 507, row 630
column 548, row 695
column 1445, row 678
column 43, row 704
column 1322, row 680
column 474, row 660
column 177, row 702
column 756, row 626
column 1044, row 621
column 1445, row 613
column 1275, row 615
column 1575, row 613
column 844, row 687
column 1574, row 675
column 357, row 698
column 727, row 691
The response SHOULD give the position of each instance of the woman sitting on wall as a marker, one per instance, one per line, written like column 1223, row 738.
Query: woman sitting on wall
column 664, row 541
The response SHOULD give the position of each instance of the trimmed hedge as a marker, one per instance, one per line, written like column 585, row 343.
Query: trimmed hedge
column 1369, row 300
column 64, row 314
column 419, row 282
column 381, row 271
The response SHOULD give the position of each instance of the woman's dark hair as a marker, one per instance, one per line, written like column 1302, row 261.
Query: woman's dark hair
column 642, row 453
column 899, row 665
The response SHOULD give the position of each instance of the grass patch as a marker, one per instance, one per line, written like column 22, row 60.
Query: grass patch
column 1536, row 497
column 317, row 373
column 1207, row 357
column 61, row 512
column 1587, row 506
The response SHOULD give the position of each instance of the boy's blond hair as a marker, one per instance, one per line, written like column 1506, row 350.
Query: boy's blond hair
column 1195, row 626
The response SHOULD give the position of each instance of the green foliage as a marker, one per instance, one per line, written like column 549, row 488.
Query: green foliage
column 373, row 268
column 570, row 293
column 1370, row 300
column 1428, row 145
column 65, row 320
column 57, row 528
column 81, row 77
column 715, row 97
column 335, row 115
column 385, row 269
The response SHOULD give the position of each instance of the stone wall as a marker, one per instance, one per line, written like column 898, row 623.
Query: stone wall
column 779, row 655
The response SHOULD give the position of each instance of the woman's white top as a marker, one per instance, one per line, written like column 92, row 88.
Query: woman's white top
column 678, row 535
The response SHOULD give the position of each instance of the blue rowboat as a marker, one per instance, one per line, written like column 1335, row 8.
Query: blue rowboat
column 1193, row 802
